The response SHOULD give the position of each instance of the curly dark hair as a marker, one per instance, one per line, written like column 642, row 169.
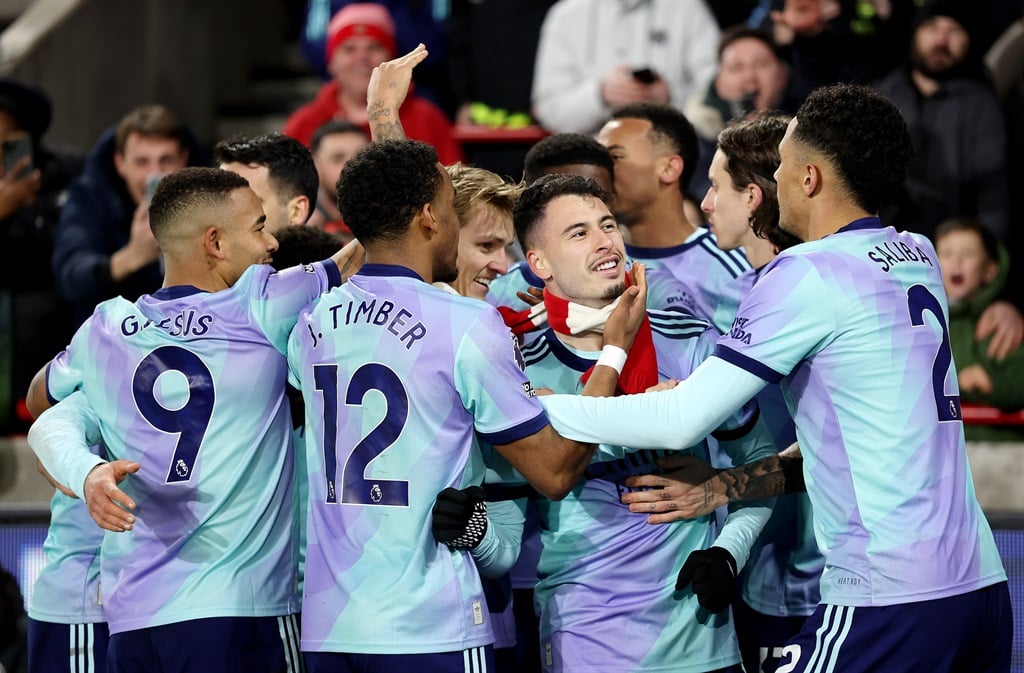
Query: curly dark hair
column 290, row 166
column 670, row 127
column 863, row 136
column 180, row 194
column 564, row 149
column 752, row 150
column 383, row 187
column 533, row 201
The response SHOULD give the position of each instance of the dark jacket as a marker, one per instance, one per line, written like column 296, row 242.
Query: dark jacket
column 960, row 160
column 94, row 224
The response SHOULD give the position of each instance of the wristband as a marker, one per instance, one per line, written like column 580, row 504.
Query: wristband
column 614, row 357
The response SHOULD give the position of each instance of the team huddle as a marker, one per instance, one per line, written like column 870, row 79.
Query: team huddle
column 241, row 537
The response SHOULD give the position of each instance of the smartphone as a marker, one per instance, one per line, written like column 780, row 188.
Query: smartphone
column 152, row 182
column 15, row 147
column 645, row 75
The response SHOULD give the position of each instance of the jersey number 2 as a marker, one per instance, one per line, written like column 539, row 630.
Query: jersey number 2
column 356, row 489
column 919, row 300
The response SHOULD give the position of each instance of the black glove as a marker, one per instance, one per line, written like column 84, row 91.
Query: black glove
column 460, row 517
column 713, row 573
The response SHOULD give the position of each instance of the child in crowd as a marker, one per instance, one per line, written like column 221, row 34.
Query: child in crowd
column 974, row 269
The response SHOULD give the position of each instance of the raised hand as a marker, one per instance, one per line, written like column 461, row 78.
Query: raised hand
column 624, row 322
column 389, row 85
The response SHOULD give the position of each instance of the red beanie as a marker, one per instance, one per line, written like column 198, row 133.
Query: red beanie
column 361, row 18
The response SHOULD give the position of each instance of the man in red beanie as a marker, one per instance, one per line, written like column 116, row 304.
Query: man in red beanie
column 360, row 37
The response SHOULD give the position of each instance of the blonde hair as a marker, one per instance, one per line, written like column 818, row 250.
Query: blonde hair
column 475, row 186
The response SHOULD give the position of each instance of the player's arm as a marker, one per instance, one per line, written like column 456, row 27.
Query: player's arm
column 36, row 398
column 669, row 419
column 61, row 438
column 679, row 496
column 491, row 532
column 389, row 85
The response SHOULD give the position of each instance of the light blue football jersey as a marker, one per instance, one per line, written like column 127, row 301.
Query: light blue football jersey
column 191, row 385
column 67, row 589
column 401, row 381
column 854, row 325
column 606, row 577
column 714, row 280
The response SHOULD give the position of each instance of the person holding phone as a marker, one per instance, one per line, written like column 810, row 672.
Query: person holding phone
column 596, row 56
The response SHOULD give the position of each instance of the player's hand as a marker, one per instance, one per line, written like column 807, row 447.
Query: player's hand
column 667, row 384
column 389, row 85
column 676, row 496
column 108, row 505
column 625, row 321
column 1005, row 324
column 974, row 379
column 532, row 296
column 460, row 517
column 712, row 572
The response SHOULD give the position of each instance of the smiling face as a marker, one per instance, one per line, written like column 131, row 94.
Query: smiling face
column 965, row 265
column 244, row 236
column 147, row 155
column 483, row 240
column 728, row 209
column 578, row 251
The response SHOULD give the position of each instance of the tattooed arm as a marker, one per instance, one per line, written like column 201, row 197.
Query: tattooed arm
column 677, row 495
column 389, row 85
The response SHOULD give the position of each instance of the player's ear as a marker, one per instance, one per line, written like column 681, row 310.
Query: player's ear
column 213, row 243
column 670, row 168
column 298, row 209
column 538, row 264
column 812, row 179
column 427, row 219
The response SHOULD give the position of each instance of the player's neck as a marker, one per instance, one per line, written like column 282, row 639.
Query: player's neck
column 662, row 225
column 420, row 266
column 587, row 342
column 759, row 251
column 831, row 215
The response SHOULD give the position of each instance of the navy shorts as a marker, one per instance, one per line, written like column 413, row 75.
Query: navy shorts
column 762, row 637
column 67, row 648
column 473, row 660
column 969, row 633
column 223, row 644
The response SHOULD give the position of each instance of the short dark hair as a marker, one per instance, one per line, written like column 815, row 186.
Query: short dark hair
column 290, row 166
column 154, row 121
column 669, row 126
column 181, row 193
column 742, row 31
column 752, row 150
column 383, row 187
column 988, row 240
column 304, row 245
column 863, row 136
column 564, row 149
column 330, row 128
column 533, row 201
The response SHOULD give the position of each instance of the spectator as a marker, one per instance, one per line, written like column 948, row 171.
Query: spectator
column 360, row 37
column 281, row 172
column 750, row 77
column 30, row 202
column 332, row 145
column 974, row 268
column 416, row 21
column 596, row 56
column 103, row 246
column 956, row 122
